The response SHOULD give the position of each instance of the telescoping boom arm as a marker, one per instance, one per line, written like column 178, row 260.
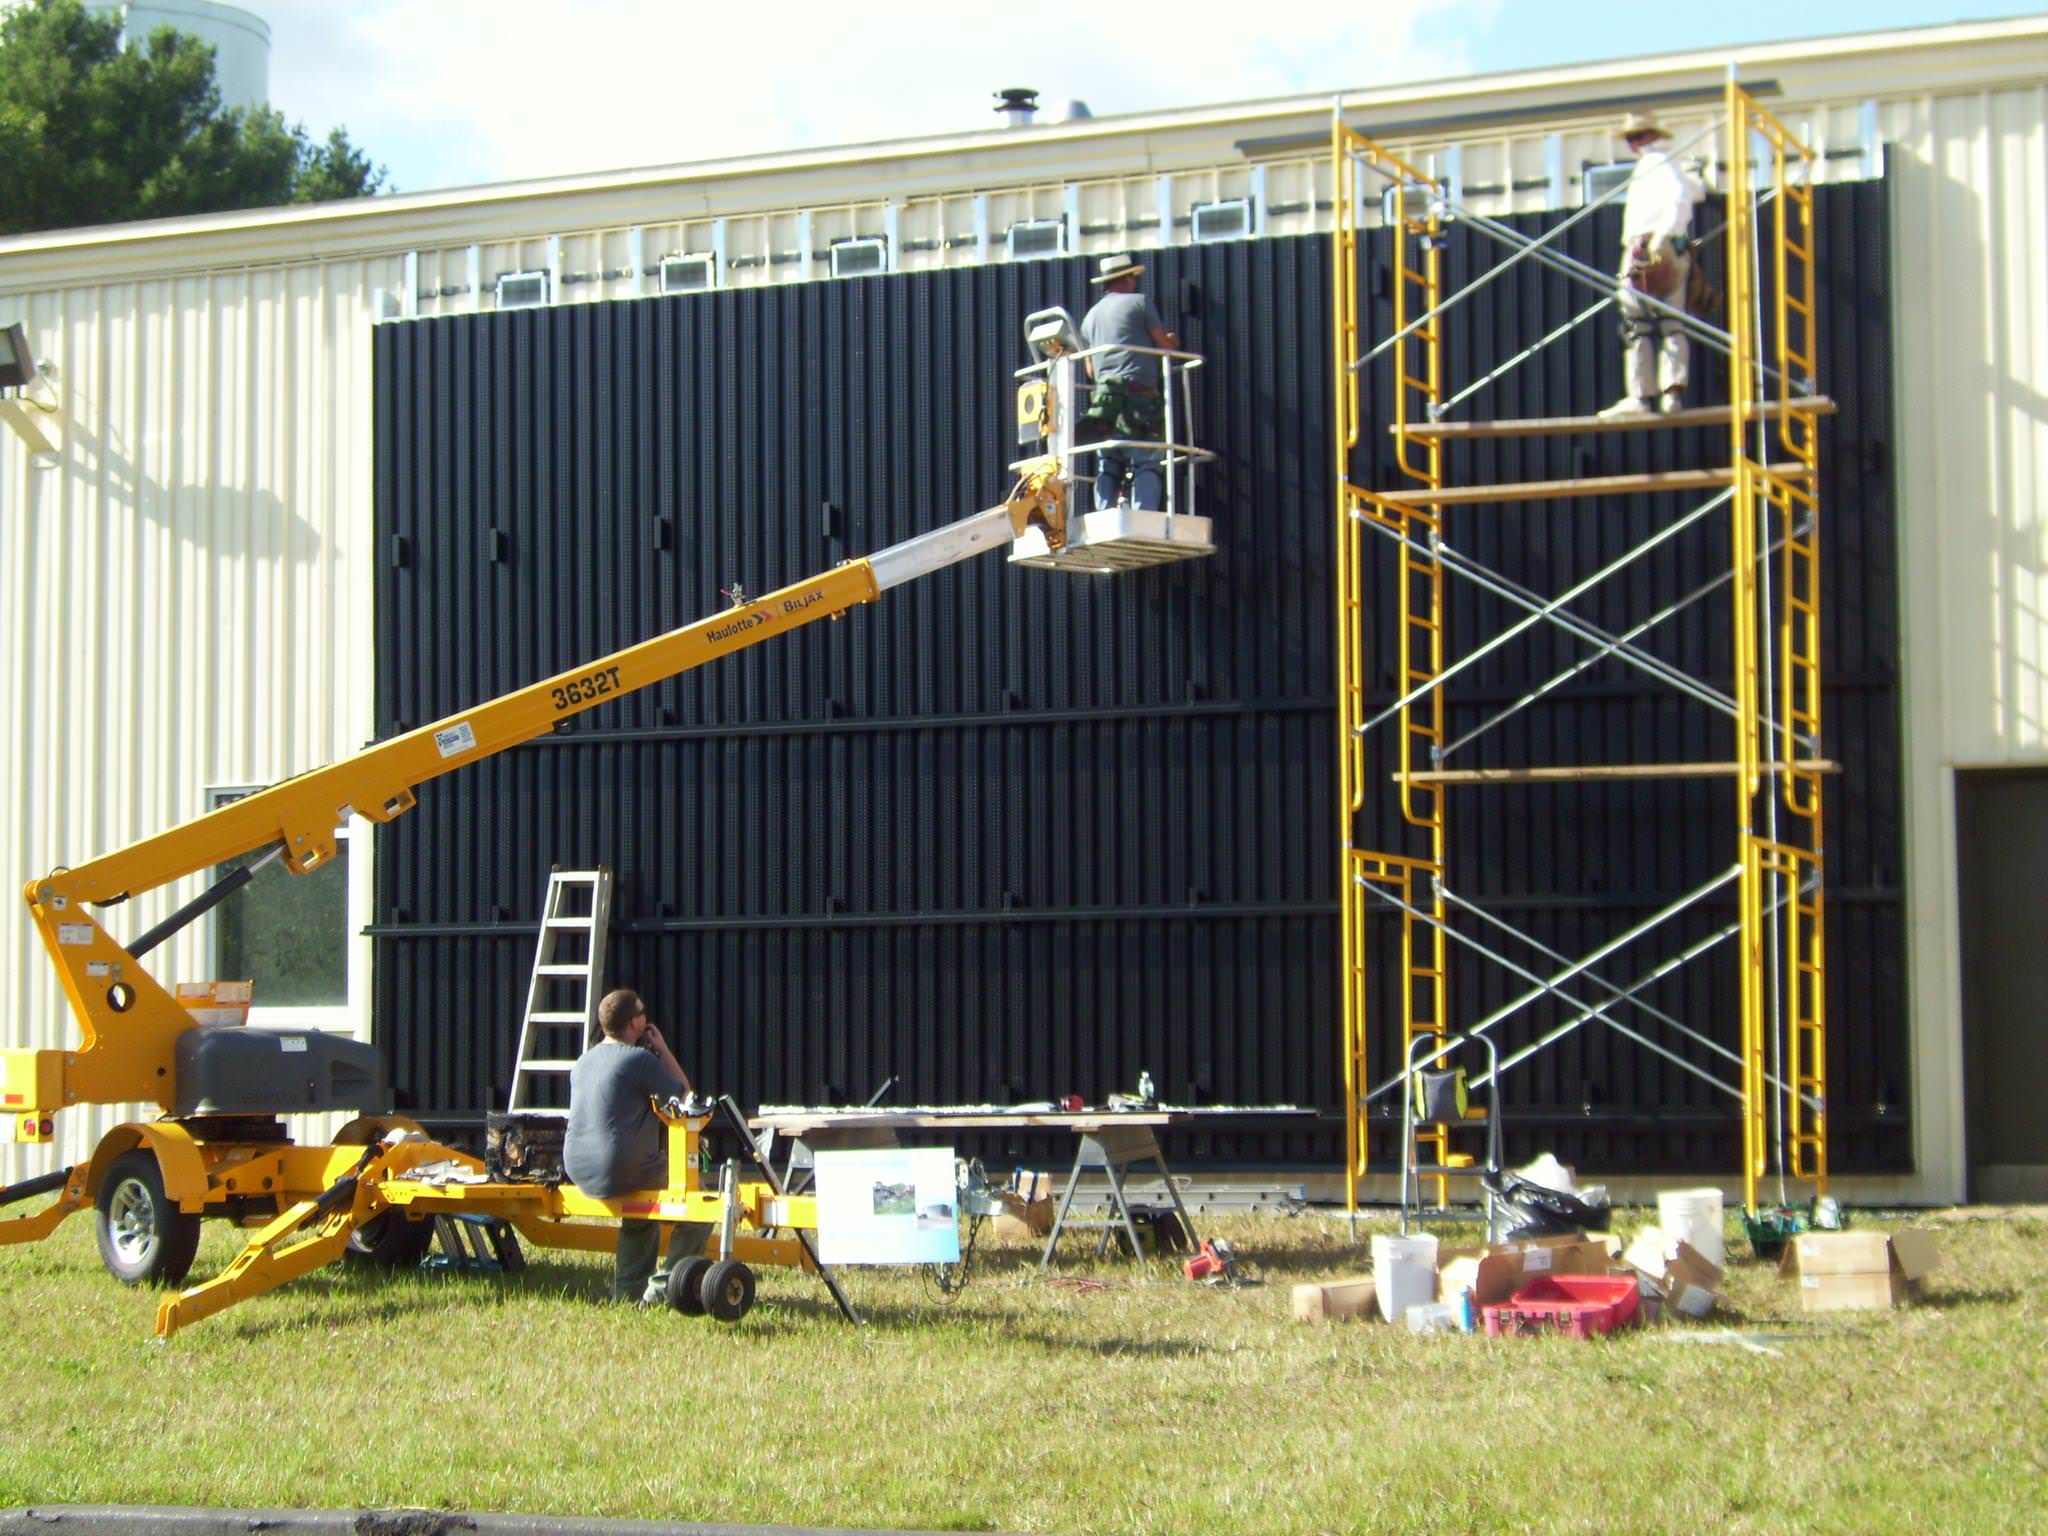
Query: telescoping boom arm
column 129, row 1022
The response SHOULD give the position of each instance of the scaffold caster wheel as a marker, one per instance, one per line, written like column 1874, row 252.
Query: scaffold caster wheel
column 686, row 1285
column 728, row 1290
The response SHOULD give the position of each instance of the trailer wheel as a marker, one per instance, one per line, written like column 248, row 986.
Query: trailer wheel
column 144, row 1238
column 686, row 1285
column 728, row 1290
column 390, row 1241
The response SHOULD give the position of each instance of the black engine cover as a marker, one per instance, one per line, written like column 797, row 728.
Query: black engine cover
column 228, row 1069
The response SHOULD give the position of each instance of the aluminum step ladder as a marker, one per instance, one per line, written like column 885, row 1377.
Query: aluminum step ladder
column 568, row 980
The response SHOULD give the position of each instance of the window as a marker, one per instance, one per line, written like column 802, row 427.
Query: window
column 689, row 274
column 1599, row 180
column 522, row 290
column 860, row 256
column 1037, row 237
column 1222, row 221
column 286, row 933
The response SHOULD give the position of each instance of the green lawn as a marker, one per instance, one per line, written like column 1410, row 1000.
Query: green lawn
column 1151, row 1404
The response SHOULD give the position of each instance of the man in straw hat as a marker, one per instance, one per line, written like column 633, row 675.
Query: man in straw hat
column 1656, row 260
column 1126, row 401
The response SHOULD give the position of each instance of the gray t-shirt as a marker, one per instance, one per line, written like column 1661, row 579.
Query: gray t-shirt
column 614, row 1144
column 1123, row 320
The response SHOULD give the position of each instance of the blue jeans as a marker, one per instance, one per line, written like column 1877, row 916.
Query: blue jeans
column 1148, row 482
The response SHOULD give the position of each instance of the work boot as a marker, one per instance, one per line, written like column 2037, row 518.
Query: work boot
column 1628, row 405
column 1671, row 401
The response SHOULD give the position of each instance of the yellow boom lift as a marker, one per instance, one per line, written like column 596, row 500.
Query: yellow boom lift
column 219, row 1148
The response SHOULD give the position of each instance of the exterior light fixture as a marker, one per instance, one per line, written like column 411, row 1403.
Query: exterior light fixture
column 28, row 406
column 17, row 365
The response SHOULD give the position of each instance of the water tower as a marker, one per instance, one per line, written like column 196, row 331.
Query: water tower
column 240, row 39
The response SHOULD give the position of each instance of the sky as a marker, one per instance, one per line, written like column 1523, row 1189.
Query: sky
column 448, row 93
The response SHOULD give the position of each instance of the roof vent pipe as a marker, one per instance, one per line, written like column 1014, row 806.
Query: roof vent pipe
column 1018, row 105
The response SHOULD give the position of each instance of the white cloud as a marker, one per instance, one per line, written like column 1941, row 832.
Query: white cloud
column 449, row 92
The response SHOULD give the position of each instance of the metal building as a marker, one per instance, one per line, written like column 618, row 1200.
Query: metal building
column 208, row 570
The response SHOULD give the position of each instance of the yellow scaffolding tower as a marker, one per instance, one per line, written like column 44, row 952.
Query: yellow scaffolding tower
column 1418, row 378
column 1770, row 490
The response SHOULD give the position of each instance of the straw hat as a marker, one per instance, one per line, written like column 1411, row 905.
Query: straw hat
column 1110, row 268
column 1642, row 125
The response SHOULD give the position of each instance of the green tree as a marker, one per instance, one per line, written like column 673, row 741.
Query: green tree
column 91, row 132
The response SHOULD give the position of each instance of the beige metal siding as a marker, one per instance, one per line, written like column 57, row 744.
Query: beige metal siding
column 188, row 603
column 188, row 588
column 1970, row 226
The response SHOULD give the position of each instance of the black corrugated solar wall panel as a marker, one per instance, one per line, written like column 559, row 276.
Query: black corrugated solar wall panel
column 1009, row 834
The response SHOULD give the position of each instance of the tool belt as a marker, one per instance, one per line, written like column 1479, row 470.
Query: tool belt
column 1118, row 408
column 1653, row 265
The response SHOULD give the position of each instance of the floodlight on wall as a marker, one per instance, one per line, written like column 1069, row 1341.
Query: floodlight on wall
column 28, row 405
column 522, row 290
column 17, row 363
column 1032, row 238
column 1230, row 220
column 689, row 274
column 862, row 256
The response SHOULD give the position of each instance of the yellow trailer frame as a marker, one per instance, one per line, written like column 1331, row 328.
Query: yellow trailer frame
column 396, row 1174
column 306, row 1201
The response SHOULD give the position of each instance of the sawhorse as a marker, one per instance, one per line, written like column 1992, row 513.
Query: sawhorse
column 1114, row 1149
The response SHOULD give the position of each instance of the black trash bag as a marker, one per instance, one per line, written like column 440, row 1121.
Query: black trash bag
column 1535, row 1211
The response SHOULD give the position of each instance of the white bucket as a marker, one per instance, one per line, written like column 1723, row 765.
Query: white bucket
column 1403, row 1273
column 1694, row 1216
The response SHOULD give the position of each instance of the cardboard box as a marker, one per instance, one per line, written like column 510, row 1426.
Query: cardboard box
column 1029, row 1186
column 1859, row 1271
column 1684, row 1281
column 1494, row 1273
column 1338, row 1299
column 1021, row 1220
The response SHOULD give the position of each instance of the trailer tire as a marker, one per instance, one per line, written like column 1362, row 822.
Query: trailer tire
column 144, row 1239
column 728, row 1290
column 390, row 1241
column 686, row 1285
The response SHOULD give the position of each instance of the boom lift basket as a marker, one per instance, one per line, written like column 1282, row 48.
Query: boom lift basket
column 1051, row 394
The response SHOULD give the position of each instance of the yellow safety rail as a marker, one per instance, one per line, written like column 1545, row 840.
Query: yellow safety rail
column 1417, row 371
column 1783, row 872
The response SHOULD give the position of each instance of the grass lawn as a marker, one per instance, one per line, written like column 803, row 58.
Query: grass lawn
column 1149, row 1404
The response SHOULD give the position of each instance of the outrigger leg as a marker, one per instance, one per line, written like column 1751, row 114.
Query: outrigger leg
column 269, row 1260
column 31, row 1229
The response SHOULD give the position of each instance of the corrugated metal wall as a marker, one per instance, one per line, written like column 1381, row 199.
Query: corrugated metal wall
column 1006, row 834
column 1971, row 308
column 1011, row 834
column 184, row 590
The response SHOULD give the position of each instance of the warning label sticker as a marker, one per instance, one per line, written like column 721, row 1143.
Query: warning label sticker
column 74, row 933
column 455, row 740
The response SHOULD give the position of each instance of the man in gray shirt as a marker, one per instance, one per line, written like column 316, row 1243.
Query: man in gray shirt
column 1125, row 400
column 615, row 1143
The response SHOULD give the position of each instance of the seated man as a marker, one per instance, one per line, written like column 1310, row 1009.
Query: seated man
column 616, row 1144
